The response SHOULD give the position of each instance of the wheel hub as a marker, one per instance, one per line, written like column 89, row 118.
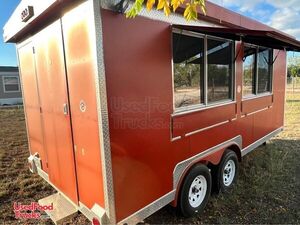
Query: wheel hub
column 197, row 191
column 229, row 173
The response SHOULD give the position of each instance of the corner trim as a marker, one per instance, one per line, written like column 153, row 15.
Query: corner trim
column 102, row 110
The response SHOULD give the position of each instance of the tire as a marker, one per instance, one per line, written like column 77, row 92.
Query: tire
column 226, row 173
column 195, row 191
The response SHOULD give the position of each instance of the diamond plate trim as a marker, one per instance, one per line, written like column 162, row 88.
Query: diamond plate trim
column 174, row 18
column 63, row 209
column 100, row 83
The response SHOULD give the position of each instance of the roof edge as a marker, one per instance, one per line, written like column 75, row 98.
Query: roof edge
column 25, row 14
column 22, row 18
column 9, row 69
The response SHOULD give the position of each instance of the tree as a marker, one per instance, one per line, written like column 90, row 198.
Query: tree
column 190, row 12
column 294, row 67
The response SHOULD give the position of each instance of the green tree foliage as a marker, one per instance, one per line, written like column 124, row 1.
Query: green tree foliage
column 190, row 13
column 294, row 67
column 218, row 75
column 186, row 75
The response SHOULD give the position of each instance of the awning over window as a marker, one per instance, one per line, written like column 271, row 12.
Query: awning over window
column 270, row 39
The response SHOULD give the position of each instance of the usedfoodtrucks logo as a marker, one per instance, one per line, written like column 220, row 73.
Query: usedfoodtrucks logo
column 32, row 211
column 27, row 13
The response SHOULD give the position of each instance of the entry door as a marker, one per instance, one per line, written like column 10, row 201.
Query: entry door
column 53, row 91
column 80, row 52
column 31, row 102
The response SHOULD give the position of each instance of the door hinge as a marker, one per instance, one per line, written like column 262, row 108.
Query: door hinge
column 33, row 50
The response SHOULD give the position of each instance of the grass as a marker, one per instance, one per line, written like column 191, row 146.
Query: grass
column 267, row 191
column 268, row 188
column 16, row 183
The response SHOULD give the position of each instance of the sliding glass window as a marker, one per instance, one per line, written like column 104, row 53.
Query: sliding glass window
column 249, row 68
column 264, row 73
column 188, row 52
column 257, row 70
column 203, row 70
column 219, row 70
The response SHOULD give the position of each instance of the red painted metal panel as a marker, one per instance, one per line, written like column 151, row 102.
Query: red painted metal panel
column 141, row 81
column 212, row 137
column 202, row 119
column 32, row 104
column 81, row 63
column 140, row 103
column 246, row 129
column 255, row 104
column 280, row 70
column 270, row 119
column 53, row 93
column 262, row 124
column 139, row 85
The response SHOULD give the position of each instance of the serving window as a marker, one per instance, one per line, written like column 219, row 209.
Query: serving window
column 264, row 72
column 188, row 63
column 257, row 70
column 203, row 70
column 219, row 70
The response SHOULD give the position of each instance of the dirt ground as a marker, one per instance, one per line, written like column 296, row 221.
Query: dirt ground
column 267, row 191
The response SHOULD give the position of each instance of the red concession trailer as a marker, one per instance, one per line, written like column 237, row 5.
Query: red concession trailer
column 126, row 116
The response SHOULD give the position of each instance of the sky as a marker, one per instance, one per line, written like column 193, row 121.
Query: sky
column 281, row 14
column 7, row 51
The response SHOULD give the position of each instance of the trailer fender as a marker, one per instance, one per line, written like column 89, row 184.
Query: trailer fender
column 210, row 156
column 216, row 157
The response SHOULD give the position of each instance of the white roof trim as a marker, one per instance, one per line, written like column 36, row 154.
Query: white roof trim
column 15, row 23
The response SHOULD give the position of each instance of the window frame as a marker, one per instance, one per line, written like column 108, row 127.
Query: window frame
column 233, row 78
column 4, row 84
column 254, row 75
column 206, row 104
column 271, row 67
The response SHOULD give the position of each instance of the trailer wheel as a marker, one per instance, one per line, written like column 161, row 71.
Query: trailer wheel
column 195, row 191
column 226, row 172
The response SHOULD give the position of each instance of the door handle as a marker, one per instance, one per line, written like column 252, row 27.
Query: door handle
column 66, row 109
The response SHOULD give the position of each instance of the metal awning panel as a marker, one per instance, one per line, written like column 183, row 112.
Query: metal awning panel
column 267, row 38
